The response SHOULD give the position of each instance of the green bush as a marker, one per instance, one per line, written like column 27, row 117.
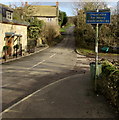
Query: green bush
column 5, row 48
column 34, row 29
column 109, row 83
column 62, row 18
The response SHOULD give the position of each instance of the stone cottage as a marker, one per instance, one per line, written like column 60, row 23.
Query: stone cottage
column 11, row 32
column 45, row 13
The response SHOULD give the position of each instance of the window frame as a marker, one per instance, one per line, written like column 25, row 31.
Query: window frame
column 9, row 15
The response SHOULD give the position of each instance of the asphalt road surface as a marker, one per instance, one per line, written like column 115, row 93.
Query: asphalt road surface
column 54, row 83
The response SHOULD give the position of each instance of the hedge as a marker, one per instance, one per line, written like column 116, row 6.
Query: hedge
column 108, row 83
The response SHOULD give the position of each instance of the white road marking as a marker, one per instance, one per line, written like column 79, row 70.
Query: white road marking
column 5, row 85
column 27, row 97
column 52, row 55
column 37, row 64
column 41, row 62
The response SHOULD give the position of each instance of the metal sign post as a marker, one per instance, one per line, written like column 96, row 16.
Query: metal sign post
column 96, row 56
column 96, row 18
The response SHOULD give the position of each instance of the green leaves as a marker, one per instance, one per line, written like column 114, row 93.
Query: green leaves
column 34, row 29
column 5, row 48
column 108, row 33
column 109, row 82
column 62, row 18
column 84, row 32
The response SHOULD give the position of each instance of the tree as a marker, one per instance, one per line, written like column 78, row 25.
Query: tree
column 21, row 11
column 86, row 33
column 34, row 32
column 62, row 18
column 34, row 28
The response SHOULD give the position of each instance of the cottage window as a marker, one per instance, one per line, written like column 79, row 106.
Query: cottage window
column 49, row 19
column 8, row 15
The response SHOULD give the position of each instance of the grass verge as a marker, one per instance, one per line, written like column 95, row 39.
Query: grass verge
column 91, row 53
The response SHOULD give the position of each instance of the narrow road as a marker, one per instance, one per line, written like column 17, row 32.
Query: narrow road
column 54, row 83
column 26, row 75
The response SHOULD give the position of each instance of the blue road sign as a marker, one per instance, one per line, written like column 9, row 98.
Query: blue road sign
column 97, row 17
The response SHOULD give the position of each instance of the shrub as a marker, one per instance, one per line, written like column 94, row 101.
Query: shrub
column 49, row 32
column 5, row 48
column 62, row 18
column 109, row 83
column 34, row 29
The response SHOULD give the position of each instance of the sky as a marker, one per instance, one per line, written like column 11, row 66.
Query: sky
column 64, row 5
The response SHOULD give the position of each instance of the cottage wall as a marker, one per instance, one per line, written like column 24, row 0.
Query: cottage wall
column 45, row 19
column 18, row 29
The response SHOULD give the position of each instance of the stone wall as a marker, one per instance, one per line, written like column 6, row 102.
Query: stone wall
column 18, row 29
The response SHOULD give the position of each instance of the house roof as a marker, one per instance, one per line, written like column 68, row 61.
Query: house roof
column 43, row 11
column 7, row 7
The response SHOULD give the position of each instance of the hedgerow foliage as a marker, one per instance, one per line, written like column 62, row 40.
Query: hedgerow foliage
column 85, row 33
column 62, row 18
column 108, row 83
column 34, row 29
column 49, row 32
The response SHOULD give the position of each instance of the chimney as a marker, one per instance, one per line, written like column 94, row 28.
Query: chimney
column 26, row 3
column 57, row 8
column 57, row 4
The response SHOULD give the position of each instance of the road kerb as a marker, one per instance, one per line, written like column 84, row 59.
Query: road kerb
column 25, row 55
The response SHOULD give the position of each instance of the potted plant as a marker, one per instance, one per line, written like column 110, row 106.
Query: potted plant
column 5, row 49
column 16, row 47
